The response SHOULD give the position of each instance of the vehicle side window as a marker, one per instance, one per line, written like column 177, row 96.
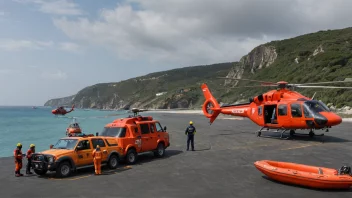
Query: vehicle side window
column 99, row 142
column 85, row 144
column 296, row 110
column 282, row 110
column 145, row 128
column 152, row 128
column 158, row 127
column 260, row 110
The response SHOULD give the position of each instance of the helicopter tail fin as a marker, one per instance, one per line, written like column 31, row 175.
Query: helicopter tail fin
column 211, row 108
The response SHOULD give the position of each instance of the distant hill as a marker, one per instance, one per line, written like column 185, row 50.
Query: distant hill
column 177, row 88
column 315, row 57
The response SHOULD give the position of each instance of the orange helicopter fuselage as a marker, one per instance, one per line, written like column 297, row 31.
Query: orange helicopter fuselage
column 280, row 108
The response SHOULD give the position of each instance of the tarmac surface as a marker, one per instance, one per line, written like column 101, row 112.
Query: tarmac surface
column 221, row 166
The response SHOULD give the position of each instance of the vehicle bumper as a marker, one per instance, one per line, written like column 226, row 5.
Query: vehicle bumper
column 40, row 165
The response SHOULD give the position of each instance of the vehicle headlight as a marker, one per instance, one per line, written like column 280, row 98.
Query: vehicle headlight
column 50, row 159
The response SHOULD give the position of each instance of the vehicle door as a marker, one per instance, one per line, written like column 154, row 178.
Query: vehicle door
column 161, row 133
column 282, row 116
column 296, row 115
column 153, row 136
column 84, row 153
column 135, row 132
column 103, row 148
column 145, row 137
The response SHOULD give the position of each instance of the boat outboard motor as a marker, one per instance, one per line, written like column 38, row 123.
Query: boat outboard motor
column 345, row 170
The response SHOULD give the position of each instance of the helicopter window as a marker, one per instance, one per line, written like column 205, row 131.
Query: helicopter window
column 114, row 132
column 282, row 110
column 316, row 106
column 145, row 128
column 260, row 110
column 296, row 110
column 306, row 112
column 158, row 127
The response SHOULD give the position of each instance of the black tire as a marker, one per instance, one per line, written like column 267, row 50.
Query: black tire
column 160, row 150
column 131, row 156
column 63, row 170
column 113, row 162
column 40, row 172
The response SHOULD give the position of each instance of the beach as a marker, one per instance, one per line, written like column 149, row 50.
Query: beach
column 221, row 166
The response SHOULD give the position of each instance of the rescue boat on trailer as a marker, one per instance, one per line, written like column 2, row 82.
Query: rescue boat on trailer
column 305, row 175
column 73, row 129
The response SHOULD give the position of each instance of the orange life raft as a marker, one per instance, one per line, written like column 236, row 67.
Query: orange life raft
column 304, row 175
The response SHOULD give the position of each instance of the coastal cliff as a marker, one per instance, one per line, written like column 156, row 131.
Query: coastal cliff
column 315, row 57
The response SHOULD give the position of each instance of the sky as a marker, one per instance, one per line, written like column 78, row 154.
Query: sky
column 54, row 48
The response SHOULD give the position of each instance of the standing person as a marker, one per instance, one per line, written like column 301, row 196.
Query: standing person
column 30, row 151
column 51, row 146
column 18, row 160
column 190, row 131
column 97, row 160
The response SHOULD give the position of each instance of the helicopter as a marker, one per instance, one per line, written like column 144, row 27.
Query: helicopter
column 282, row 110
column 62, row 111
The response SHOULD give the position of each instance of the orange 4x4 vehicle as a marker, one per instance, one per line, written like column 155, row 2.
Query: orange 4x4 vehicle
column 138, row 134
column 72, row 153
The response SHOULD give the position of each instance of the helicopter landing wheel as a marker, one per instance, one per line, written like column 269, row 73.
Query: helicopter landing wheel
column 292, row 133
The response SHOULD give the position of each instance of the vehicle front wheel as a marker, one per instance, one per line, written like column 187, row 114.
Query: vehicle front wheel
column 64, row 169
column 40, row 172
column 131, row 156
column 113, row 162
column 160, row 151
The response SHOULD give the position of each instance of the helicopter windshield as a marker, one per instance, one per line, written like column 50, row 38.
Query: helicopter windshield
column 316, row 106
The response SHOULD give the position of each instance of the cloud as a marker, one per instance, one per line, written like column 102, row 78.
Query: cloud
column 16, row 45
column 70, row 47
column 202, row 31
column 57, row 7
column 56, row 75
column 2, row 13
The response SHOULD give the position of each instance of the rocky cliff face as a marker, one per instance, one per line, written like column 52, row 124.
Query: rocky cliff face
column 66, row 101
column 260, row 57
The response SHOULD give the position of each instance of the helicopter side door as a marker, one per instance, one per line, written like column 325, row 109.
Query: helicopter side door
column 297, row 120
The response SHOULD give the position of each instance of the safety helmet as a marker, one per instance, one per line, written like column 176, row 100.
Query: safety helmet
column 190, row 122
column 19, row 145
column 31, row 146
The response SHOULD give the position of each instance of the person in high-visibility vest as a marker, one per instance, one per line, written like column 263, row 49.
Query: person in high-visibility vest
column 30, row 151
column 97, row 155
column 18, row 159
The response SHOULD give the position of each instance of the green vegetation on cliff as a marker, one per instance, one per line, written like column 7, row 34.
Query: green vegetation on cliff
column 316, row 57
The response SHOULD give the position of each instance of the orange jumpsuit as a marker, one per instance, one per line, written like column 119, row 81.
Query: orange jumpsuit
column 18, row 161
column 97, row 161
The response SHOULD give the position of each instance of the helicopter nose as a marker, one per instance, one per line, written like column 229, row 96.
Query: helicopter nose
column 332, row 118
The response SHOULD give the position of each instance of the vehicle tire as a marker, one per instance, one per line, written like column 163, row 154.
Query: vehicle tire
column 63, row 170
column 113, row 162
column 40, row 172
column 160, row 150
column 131, row 156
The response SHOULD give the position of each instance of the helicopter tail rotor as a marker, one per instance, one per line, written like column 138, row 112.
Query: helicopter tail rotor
column 211, row 108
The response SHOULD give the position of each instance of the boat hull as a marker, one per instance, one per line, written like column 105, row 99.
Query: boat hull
column 303, row 175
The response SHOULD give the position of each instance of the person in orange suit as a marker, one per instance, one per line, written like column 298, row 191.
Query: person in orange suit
column 30, row 151
column 97, row 155
column 18, row 159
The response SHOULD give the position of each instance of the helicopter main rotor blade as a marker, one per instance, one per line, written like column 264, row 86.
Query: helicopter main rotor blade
column 329, row 82
column 253, row 86
column 265, row 82
column 327, row 87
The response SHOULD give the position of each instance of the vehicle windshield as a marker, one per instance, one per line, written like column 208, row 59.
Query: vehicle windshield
column 113, row 132
column 316, row 106
column 65, row 144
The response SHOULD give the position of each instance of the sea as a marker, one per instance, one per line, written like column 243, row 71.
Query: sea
column 29, row 125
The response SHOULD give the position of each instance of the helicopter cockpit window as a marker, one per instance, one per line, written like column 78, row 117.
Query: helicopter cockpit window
column 306, row 112
column 282, row 110
column 296, row 110
column 316, row 106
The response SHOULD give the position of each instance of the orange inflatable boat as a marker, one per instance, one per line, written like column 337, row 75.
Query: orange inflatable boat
column 304, row 175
